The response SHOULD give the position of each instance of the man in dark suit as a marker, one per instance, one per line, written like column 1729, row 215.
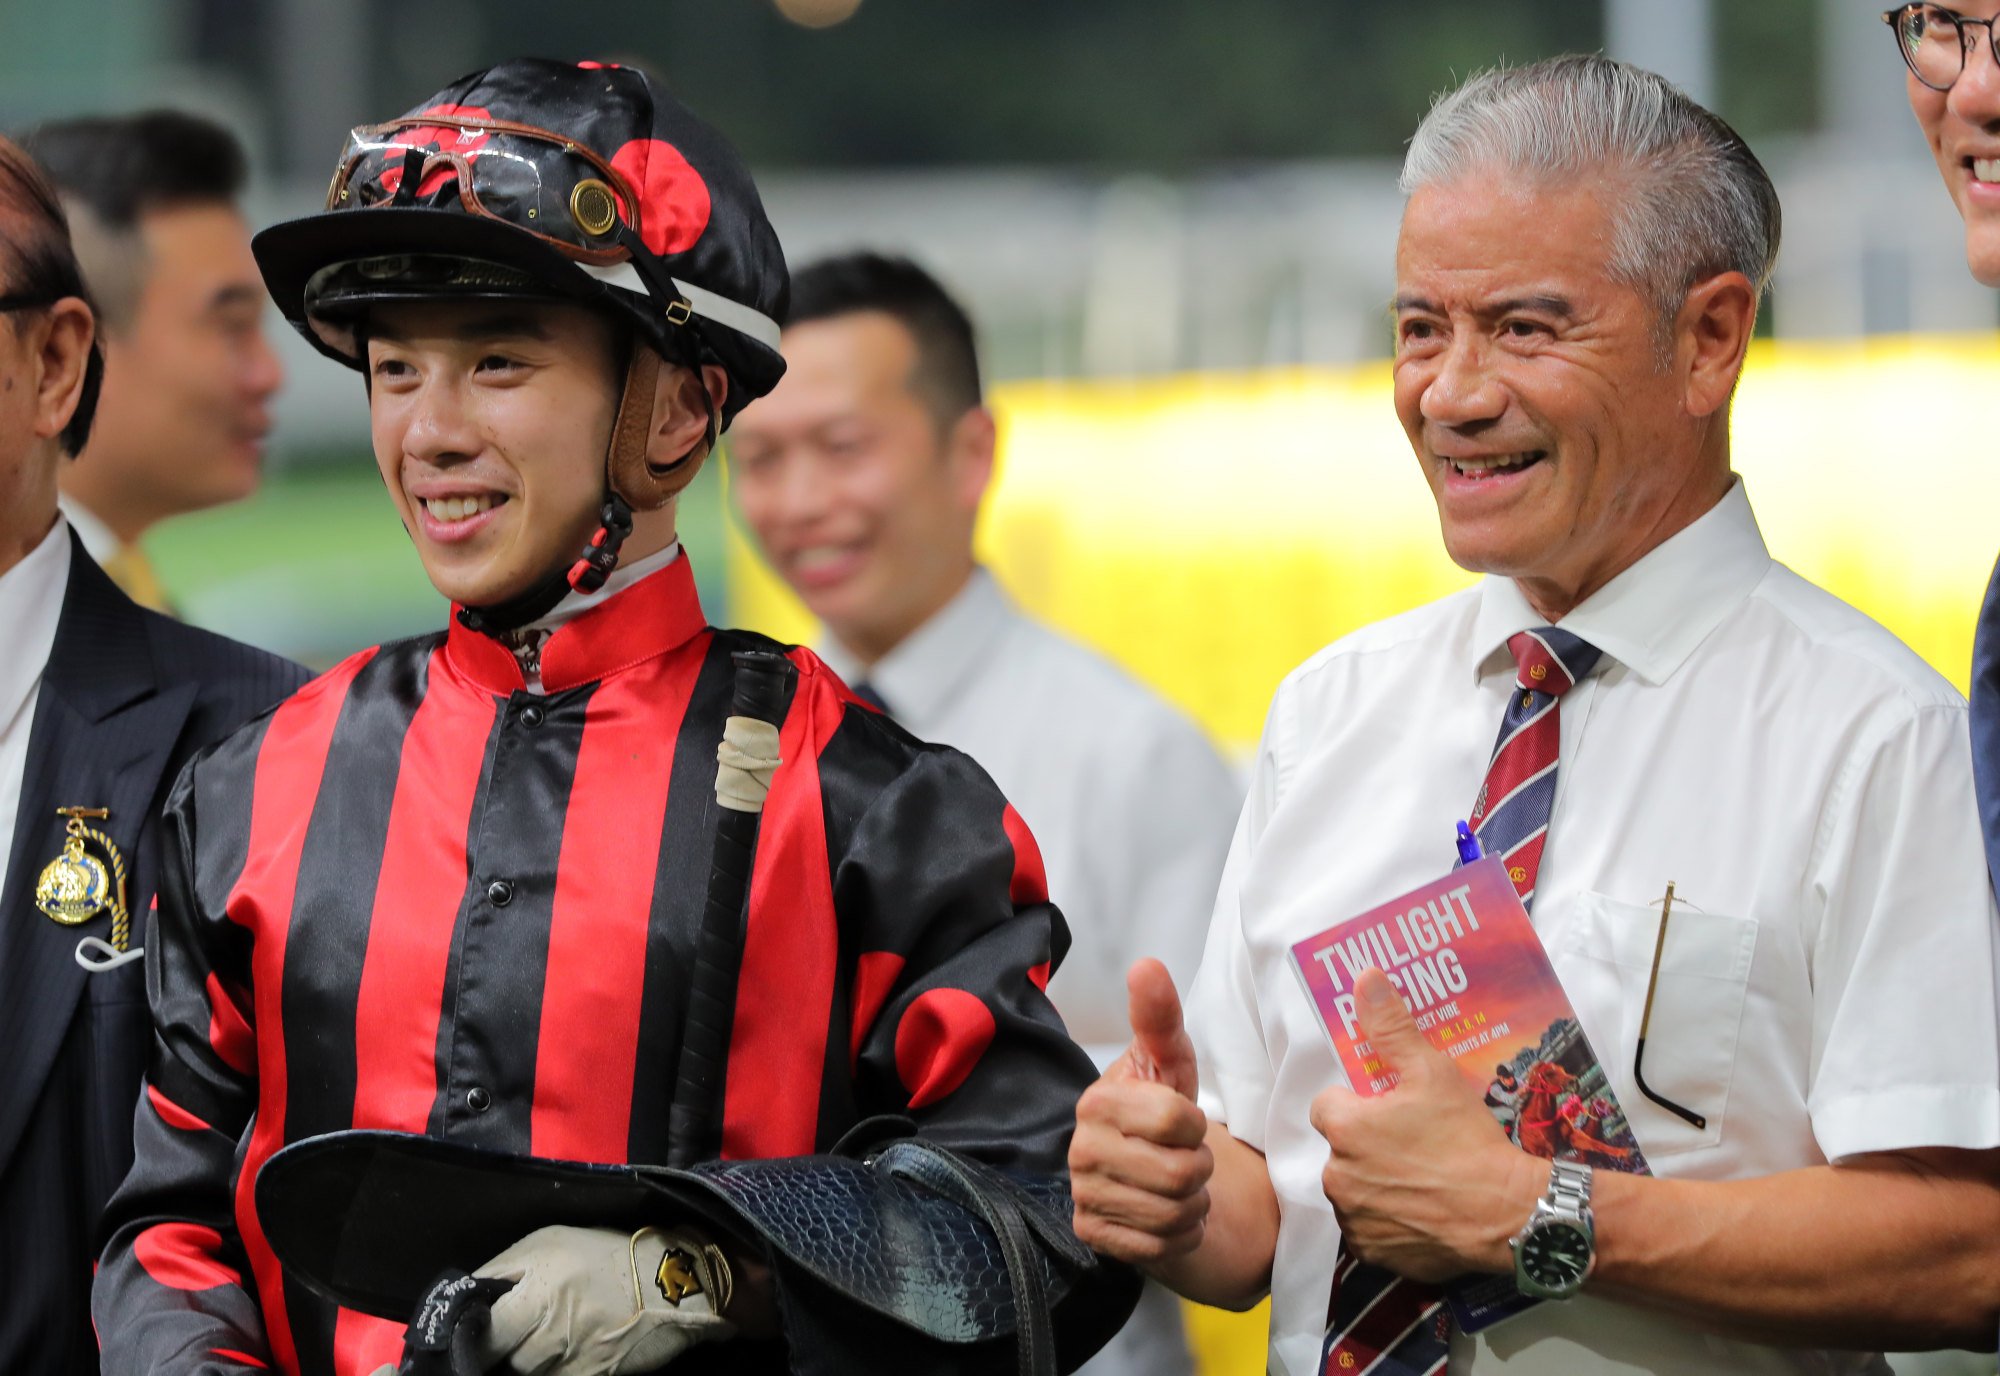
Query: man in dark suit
column 100, row 705
column 1986, row 721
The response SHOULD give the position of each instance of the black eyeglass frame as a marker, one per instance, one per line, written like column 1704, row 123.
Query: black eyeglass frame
column 1680, row 1111
column 26, row 301
column 1959, row 22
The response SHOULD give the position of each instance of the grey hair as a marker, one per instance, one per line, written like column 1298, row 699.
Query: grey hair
column 1695, row 200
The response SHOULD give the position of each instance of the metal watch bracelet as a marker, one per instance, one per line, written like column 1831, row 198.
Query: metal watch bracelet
column 1569, row 1189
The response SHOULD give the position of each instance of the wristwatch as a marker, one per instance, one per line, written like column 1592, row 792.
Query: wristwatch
column 1553, row 1254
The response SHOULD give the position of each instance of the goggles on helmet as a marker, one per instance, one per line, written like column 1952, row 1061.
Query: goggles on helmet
column 533, row 179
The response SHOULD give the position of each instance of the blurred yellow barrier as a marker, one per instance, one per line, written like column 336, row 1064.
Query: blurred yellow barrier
column 1210, row 532
column 1226, row 1344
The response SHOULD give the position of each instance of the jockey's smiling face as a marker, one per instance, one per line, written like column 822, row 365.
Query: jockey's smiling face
column 490, row 421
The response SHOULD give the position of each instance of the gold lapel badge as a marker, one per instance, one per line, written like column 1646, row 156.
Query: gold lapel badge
column 77, row 886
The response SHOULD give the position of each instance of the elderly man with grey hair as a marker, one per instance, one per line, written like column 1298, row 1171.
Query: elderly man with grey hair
column 1578, row 274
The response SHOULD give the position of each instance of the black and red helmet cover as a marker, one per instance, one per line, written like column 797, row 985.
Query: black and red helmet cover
column 694, row 263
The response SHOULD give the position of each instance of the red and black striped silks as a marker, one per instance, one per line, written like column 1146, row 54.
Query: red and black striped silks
column 418, row 897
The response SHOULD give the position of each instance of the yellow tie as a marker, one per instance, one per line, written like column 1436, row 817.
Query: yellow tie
column 133, row 572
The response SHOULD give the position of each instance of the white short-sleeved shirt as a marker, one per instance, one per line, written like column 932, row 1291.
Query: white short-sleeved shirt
column 1828, row 986
column 1130, row 804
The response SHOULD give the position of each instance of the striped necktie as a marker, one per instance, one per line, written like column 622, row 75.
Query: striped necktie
column 1511, row 814
column 1382, row 1324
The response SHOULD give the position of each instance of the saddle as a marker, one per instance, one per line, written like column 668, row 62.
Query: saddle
column 966, row 1255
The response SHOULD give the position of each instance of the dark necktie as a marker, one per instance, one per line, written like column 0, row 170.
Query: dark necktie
column 866, row 692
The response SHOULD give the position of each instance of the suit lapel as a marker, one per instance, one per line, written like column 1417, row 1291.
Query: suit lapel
column 102, row 736
column 1986, row 721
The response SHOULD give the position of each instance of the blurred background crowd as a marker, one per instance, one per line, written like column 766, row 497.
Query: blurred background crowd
column 1173, row 224
column 1174, row 228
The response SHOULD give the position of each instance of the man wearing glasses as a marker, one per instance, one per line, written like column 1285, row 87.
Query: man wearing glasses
column 1578, row 272
column 1954, row 84
column 101, row 703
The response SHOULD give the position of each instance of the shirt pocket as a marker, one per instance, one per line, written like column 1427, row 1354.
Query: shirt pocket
column 1697, row 1010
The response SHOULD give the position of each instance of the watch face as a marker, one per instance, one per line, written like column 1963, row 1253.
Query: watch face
column 1555, row 1255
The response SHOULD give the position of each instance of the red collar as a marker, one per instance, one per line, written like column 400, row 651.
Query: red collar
column 658, row 614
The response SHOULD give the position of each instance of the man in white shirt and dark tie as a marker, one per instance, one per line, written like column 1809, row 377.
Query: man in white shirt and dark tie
column 861, row 476
column 1578, row 273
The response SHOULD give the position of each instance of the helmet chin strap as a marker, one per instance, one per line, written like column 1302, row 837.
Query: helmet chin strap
column 630, row 483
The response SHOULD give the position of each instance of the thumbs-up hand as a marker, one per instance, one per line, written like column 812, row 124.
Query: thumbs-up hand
column 1160, row 1049
column 1139, row 1165
column 1421, row 1178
